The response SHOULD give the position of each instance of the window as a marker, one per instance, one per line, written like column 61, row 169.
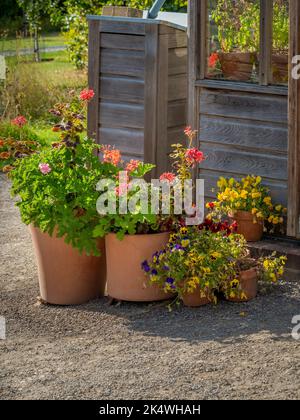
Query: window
column 246, row 41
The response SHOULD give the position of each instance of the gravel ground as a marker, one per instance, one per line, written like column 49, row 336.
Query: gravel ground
column 97, row 351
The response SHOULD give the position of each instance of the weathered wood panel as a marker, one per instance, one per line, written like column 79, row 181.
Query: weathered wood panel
column 116, row 27
column 129, row 141
column 121, row 115
column 123, row 62
column 178, row 39
column 228, row 159
column 177, row 87
column 177, row 113
column 241, row 105
column 123, row 42
column 243, row 134
column 123, row 88
column 178, row 61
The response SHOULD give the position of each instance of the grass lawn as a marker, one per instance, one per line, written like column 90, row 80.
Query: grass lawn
column 55, row 67
column 43, row 85
column 48, row 40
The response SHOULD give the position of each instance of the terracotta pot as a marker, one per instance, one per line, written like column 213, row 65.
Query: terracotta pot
column 125, row 278
column 237, row 66
column 280, row 68
column 252, row 232
column 194, row 300
column 248, row 285
column 65, row 276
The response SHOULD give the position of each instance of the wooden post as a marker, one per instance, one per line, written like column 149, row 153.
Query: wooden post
column 151, row 83
column 266, row 44
column 294, row 126
column 193, row 59
column 94, row 79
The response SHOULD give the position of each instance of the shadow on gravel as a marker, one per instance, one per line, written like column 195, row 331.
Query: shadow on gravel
column 271, row 312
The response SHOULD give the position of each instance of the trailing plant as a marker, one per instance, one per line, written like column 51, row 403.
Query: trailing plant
column 269, row 269
column 196, row 259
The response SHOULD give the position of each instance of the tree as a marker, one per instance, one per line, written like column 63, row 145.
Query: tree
column 34, row 11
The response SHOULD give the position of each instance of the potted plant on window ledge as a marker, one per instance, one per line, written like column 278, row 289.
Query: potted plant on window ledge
column 280, row 55
column 238, row 35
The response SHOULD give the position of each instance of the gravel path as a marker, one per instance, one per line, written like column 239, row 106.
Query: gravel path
column 136, row 351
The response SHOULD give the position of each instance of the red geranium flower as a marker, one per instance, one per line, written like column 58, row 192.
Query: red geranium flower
column 194, row 156
column 20, row 121
column 211, row 205
column 213, row 59
column 87, row 94
column 168, row 176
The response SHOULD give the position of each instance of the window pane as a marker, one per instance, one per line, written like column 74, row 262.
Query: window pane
column 281, row 22
column 234, row 40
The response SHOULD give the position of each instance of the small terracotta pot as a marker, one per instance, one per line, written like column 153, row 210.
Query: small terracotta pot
column 248, row 285
column 125, row 278
column 237, row 66
column 194, row 300
column 65, row 276
column 280, row 68
column 252, row 232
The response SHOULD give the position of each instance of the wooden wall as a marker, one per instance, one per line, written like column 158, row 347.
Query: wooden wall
column 139, row 73
column 244, row 133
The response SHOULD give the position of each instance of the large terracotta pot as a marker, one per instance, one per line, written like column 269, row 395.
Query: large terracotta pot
column 248, row 285
column 194, row 300
column 125, row 277
column 65, row 276
column 252, row 232
column 280, row 68
column 237, row 66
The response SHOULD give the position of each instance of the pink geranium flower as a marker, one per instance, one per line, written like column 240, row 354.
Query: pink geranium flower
column 168, row 176
column 87, row 94
column 20, row 121
column 45, row 168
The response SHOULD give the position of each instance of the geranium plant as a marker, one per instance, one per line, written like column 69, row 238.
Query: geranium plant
column 140, row 219
column 57, row 186
column 248, row 195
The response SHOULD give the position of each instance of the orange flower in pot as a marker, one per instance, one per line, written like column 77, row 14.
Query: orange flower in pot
column 248, row 203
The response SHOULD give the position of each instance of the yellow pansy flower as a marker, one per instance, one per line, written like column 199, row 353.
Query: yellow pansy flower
column 185, row 243
column 216, row 255
column 268, row 201
column 254, row 211
column 278, row 208
column 244, row 194
column 256, row 194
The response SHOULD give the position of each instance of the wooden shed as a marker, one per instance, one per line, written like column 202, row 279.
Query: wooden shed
column 138, row 69
column 248, row 126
